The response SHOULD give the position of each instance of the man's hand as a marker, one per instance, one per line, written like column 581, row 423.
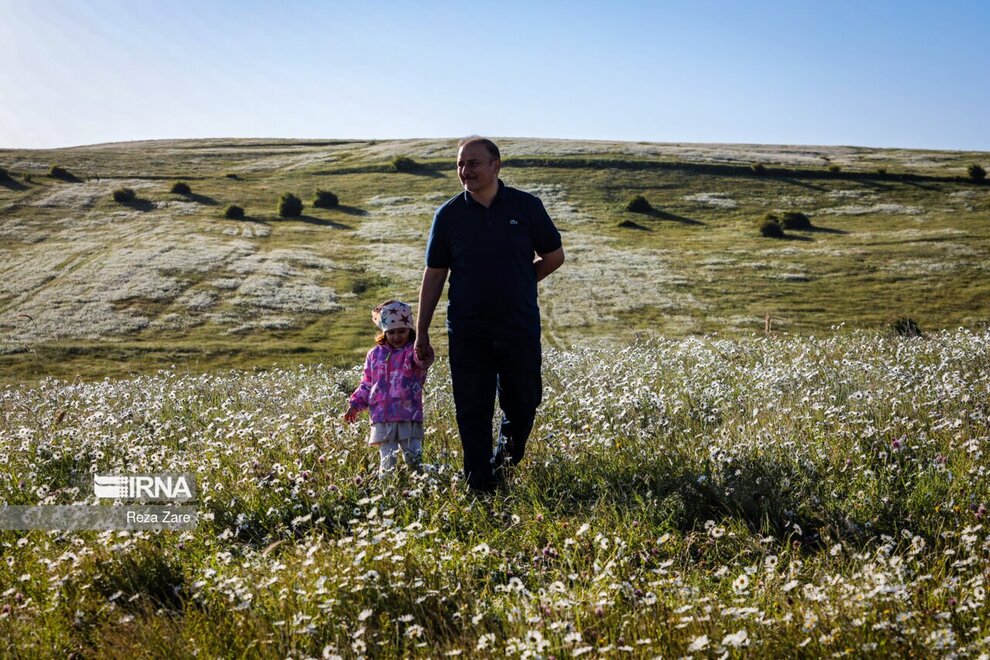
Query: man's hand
column 429, row 296
column 424, row 350
column 351, row 415
column 549, row 262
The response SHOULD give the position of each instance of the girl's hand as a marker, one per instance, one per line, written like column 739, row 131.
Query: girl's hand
column 351, row 415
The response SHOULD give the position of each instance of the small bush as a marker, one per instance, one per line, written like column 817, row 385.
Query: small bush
column 638, row 204
column 976, row 172
column 905, row 327
column 180, row 188
column 881, row 170
column 366, row 282
column 404, row 164
column 4, row 174
column 795, row 220
column 290, row 206
column 58, row 172
column 758, row 168
column 834, row 169
column 629, row 224
column 124, row 195
column 233, row 212
column 325, row 199
column 231, row 175
column 770, row 226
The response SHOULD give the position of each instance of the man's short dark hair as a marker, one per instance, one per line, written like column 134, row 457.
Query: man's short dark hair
column 488, row 144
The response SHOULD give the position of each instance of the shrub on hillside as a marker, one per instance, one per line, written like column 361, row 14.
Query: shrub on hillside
column 404, row 164
column 325, row 199
column 4, row 175
column 795, row 220
column 124, row 195
column 881, row 170
column 638, row 204
column 758, row 168
column 770, row 227
column 59, row 172
column 905, row 327
column 233, row 212
column 231, row 175
column 360, row 285
column 835, row 169
column 180, row 188
column 976, row 172
column 289, row 206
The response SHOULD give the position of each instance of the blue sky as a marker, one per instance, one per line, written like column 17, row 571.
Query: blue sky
column 879, row 73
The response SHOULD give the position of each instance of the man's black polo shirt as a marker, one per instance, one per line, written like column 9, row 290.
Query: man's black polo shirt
column 490, row 252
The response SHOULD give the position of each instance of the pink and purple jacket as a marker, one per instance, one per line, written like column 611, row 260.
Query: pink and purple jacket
column 392, row 387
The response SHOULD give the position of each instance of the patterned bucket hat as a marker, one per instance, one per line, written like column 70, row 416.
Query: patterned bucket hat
column 393, row 314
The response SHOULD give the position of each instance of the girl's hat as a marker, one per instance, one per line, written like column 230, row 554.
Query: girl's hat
column 392, row 314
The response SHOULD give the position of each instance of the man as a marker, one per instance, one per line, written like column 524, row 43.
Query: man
column 496, row 243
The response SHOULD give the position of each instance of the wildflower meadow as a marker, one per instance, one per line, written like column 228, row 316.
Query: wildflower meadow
column 765, row 496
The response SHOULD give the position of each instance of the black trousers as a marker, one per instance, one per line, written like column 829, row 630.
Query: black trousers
column 480, row 368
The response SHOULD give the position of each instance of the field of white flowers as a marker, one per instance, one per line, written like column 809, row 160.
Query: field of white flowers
column 769, row 497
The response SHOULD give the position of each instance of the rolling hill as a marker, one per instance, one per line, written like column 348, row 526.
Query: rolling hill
column 93, row 287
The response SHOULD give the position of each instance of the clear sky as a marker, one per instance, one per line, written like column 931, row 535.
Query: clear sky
column 882, row 73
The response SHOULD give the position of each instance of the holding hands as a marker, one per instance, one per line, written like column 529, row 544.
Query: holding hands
column 424, row 351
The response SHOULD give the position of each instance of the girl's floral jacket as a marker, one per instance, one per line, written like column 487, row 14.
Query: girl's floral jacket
column 392, row 387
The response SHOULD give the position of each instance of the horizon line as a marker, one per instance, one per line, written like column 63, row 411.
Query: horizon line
column 330, row 140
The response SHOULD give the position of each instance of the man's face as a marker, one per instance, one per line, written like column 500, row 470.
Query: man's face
column 476, row 168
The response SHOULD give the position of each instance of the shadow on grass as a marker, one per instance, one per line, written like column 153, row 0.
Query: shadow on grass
column 322, row 222
column 420, row 170
column 251, row 220
column 200, row 199
column 67, row 177
column 823, row 230
column 350, row 210
column 144, row 571
column 657, row 214
column 663, row 495
column 139, row 204
column 684, row 220
column 800, row 184
column 923, row 186
column 629, row 224
column 12, row 184
column 876, row 185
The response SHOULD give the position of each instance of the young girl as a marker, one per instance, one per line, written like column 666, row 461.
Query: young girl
column 392, row 387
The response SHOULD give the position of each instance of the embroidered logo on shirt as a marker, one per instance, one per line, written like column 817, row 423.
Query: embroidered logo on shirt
column 513, row 222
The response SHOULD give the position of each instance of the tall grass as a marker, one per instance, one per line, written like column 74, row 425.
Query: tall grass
column 768, row 496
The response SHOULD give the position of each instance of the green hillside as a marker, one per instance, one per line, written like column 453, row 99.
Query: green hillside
column 91, row 287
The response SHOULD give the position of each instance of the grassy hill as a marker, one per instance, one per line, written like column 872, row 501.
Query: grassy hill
column 93, row 287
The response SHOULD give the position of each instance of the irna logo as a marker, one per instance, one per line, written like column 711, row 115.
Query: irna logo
column 155, row 487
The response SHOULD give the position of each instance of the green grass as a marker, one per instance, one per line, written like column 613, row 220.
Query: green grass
column 825, row 494
column 916, row 246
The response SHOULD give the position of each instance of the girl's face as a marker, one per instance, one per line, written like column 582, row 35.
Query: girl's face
column 397, row 337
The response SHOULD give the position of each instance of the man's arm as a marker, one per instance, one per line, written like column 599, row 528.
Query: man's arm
column 429, row 296
column 549, row 262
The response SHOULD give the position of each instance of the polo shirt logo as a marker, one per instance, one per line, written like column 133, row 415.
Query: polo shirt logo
column 513, row 222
